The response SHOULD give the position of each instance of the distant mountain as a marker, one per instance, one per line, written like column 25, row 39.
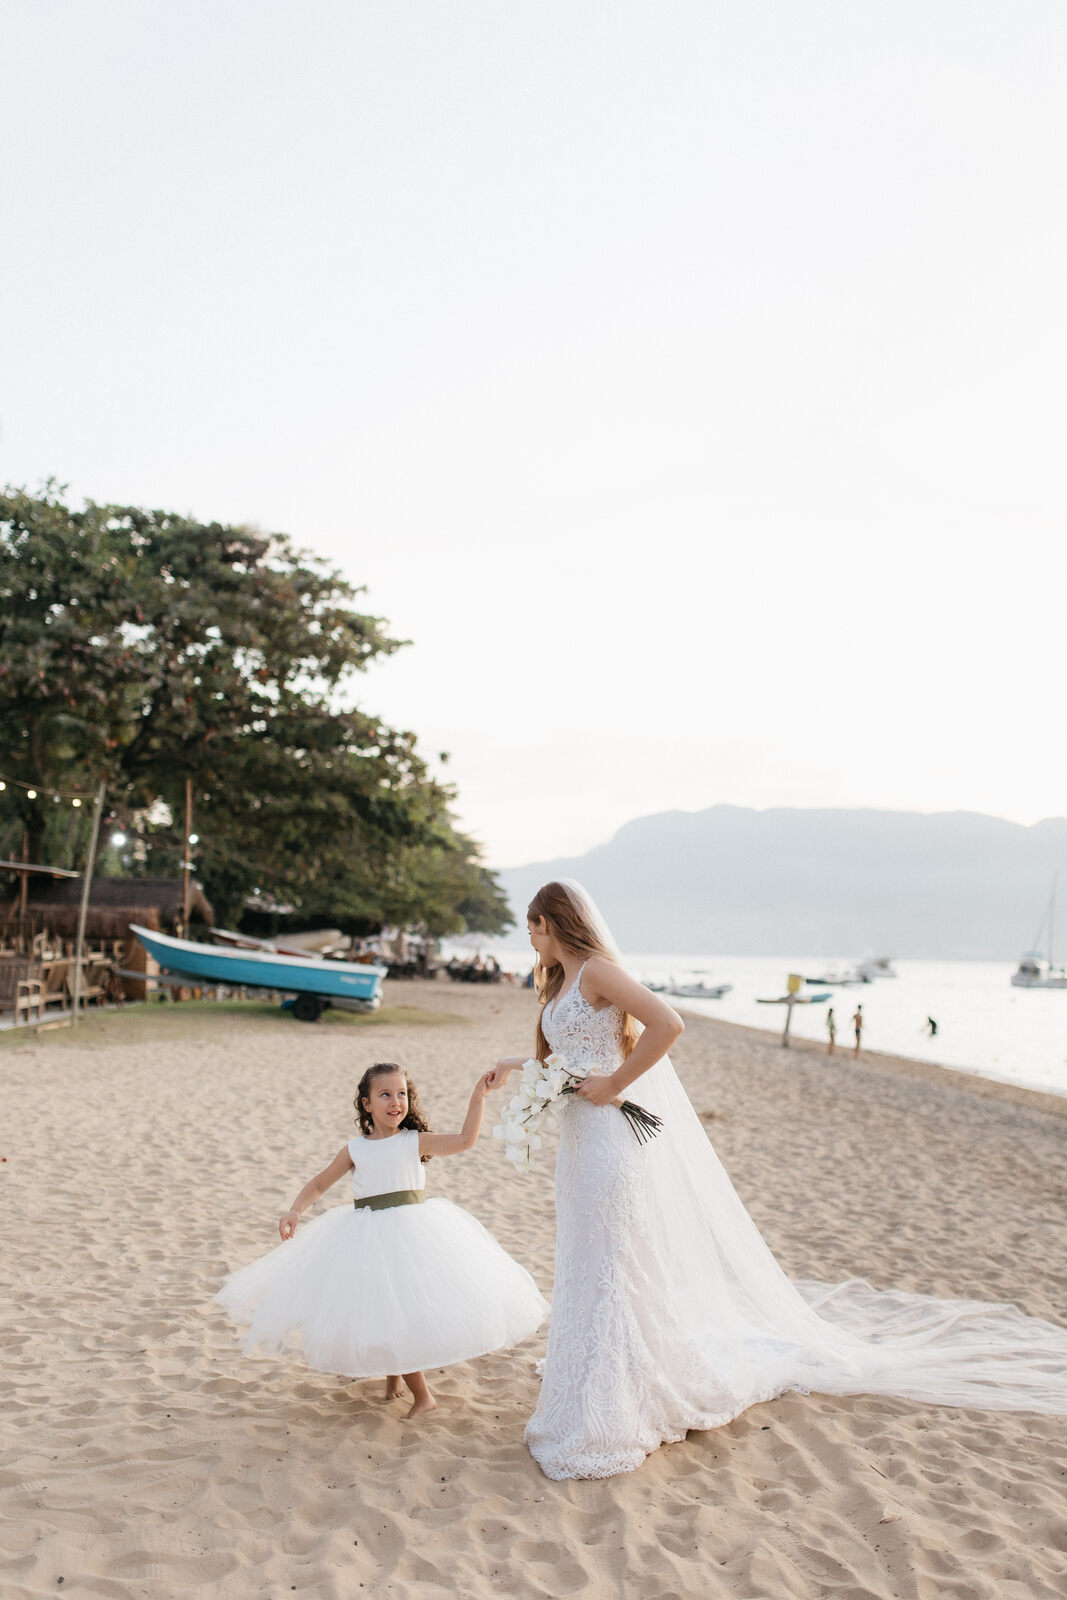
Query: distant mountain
column 735, row 881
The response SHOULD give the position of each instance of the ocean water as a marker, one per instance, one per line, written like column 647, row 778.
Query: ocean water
column 984, row 1025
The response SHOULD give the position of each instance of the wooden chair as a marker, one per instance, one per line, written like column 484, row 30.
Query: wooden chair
column 95, row 981
column 14, row 971
column 27, row 999
column 54, row 977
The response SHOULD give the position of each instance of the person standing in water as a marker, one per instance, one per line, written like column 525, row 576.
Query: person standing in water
column 831, row 1029
column 857, row 1023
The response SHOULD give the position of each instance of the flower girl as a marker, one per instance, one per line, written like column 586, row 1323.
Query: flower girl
column 397, row 1282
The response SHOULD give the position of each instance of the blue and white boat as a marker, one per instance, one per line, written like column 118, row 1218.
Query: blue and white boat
column 314, row 982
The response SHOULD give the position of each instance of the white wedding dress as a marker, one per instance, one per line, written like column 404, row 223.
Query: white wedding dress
column 669, row 1311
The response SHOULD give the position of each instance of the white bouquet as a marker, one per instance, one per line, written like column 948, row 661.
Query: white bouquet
column 531, row 1108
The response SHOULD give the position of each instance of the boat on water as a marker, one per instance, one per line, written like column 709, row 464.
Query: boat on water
column 863, row 972
column 314, row 982
column 875, row 967
column 698, row 989
column 796, row 1000
column 840, row 980
column 1036, row 971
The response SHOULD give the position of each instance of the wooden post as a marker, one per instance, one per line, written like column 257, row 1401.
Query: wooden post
column 792, row 990
column 187, row 895
column 24, row 877
column 87, row 885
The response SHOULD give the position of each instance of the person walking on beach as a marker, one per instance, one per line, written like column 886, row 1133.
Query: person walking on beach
column 857, row 1024
column 395, row 1282
column 831, row 1029
column 669, row 1311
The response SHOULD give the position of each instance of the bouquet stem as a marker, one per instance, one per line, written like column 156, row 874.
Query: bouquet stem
column 645, row 1124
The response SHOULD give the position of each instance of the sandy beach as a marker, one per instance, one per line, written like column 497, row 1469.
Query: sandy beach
column 150, row 1153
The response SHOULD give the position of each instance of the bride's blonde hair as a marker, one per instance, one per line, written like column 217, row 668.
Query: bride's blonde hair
column 567, row 923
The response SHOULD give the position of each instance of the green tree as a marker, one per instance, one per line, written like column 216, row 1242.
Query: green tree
column 143, row 648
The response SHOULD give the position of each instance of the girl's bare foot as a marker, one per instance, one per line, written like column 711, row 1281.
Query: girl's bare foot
column 393, row 1387
column 421, row 1398
column 421, row 1405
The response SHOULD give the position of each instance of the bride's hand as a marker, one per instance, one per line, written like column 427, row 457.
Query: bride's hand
column 600, row 1089
column 501, row 1072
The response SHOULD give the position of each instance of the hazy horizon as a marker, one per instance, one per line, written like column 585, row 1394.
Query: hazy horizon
column 947, row 885
column 690, row 811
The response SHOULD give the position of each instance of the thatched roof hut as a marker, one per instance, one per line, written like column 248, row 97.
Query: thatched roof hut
column 113, row 904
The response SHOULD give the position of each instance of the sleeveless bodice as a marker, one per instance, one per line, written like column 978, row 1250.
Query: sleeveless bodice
column 576, row 1030
column 382, row 1166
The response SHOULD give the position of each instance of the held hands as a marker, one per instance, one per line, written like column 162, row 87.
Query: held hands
column 287, row 1224
column 502, row 1072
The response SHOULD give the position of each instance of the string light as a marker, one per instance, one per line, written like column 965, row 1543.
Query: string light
column 34, row 791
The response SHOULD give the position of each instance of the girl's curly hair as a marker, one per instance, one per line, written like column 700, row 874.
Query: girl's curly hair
column 414, row 1119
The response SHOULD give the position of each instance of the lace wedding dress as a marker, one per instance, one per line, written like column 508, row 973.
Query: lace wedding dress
column 669, row 1311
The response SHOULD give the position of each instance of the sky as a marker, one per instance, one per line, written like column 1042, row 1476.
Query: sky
column 685, row 381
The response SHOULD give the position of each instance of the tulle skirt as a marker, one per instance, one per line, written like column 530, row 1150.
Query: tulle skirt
column 366, row 1293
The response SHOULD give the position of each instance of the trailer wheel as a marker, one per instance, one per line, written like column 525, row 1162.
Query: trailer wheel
column 306, row 1008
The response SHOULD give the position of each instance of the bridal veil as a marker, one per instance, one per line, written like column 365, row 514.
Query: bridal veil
column 769, row 1333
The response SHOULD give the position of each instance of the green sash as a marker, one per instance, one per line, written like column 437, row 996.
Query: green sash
column 396, row 1197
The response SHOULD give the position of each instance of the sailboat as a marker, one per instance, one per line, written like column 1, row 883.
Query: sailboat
column 1035, row 972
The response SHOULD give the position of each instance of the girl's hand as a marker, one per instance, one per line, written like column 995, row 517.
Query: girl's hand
column 484, row 1084
column 600, row 1089
column 500, row 1073
column 287, row 1224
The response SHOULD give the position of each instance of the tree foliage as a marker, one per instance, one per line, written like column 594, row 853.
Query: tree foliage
column 142, row 648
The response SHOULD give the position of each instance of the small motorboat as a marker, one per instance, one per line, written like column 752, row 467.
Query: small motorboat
column 840, row 980
column 698, row 990
column 797, row 1000
column 875, row 967
column 315, row 982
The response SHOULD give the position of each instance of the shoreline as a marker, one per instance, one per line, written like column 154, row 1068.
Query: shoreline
column 968, row 1079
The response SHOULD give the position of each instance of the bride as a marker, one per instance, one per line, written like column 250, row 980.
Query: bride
column 669, row 1311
